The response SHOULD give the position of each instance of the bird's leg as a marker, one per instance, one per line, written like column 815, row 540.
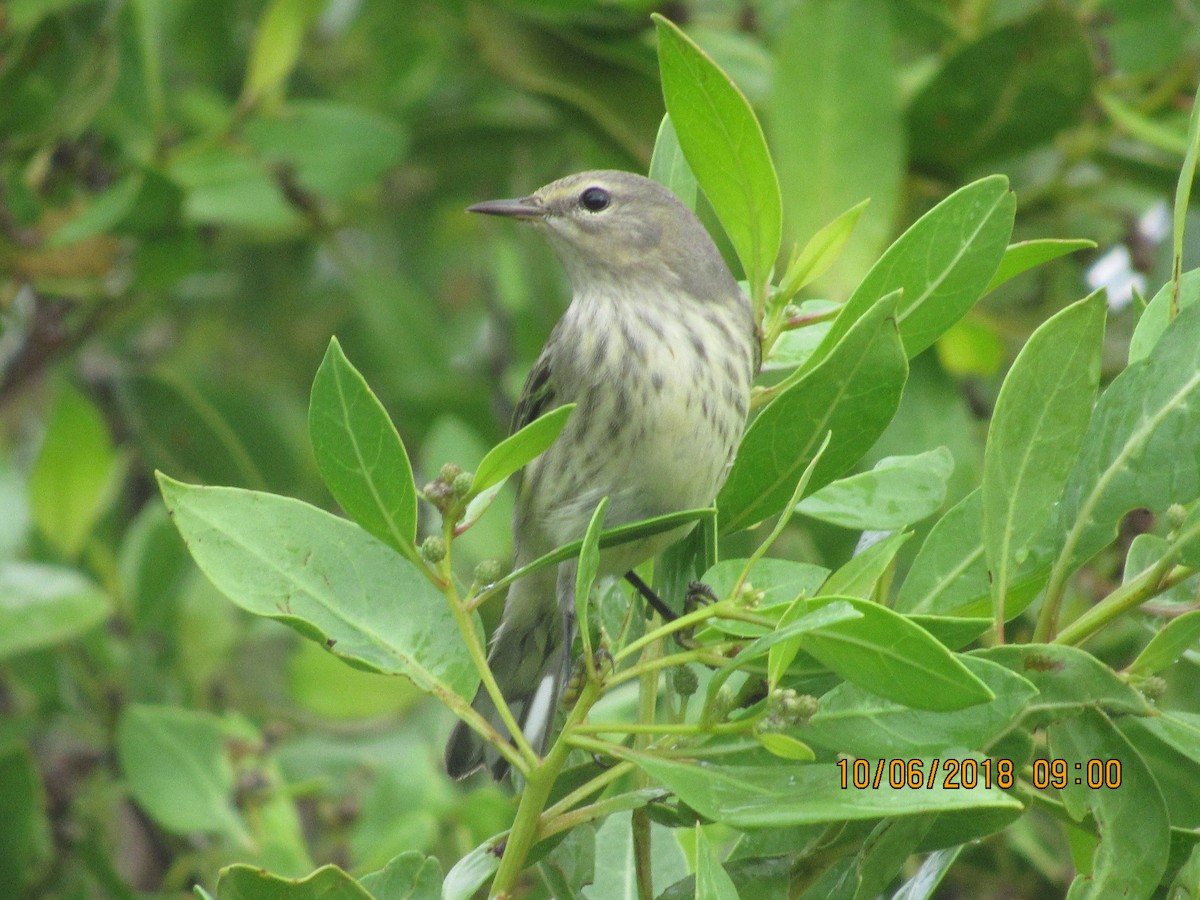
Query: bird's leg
column 650, row 597
column 698, row 593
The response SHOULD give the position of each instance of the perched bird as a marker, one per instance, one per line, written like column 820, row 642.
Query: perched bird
column 658, row 349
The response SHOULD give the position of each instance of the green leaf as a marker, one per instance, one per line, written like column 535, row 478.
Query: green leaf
column 669, row 167
column 76, row 473
column 410, row 876
column 1041, row 415
column 178, row 769
column 855, row 721
column 470, row 873
column 853, row 393
column 725, row 147
column 242, row 882
column 333, row 149
column 1025, row 255
column 1176, row 637
column 786, row 747
column 43, row 605
column 1127, row 862
column 891, row 656
column 949, row 574
column 360, row 454
column 223, row 187
column 779, row 582
column 585, row 574
column 276, row 50
column 327, row 578
column 616, row 859
column 898, row 491
column 781, row 796
column 860, row 575
column 942, row 263
column 836, row 124
column 712, row 881
column 25, row 837
column 1130, row 456
column 821, row 251
column 782, row 644
column 521, row 448
column 1068, row 681
column 1009, row 91
column 104, row 211
column 1157, row 315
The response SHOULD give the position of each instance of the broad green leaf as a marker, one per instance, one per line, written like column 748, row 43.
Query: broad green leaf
column 177, row 767
column 712, row 881
column 327, row 578
column 410, row 876
column 332, row 149
column 855, row 721
column 1130, row 456
column 276, row 50
column 359, row 454
column 473, row 870
column 585, row 574
column 782, row 644
column 1127, row 862
column 876, row 861
column 853, row 393
column 786, row 747
column 923, row 883
column 898, row 491
column 43, row 605
column 222, row 186
column 836, row 125
column 1025, row 255
column 669, row 168
column 1169, row 744
column 1176, row 637
column 780, row 580
column 1068, row 681
column 1156, row 316
column 821, row 251
column 611, row 82
column 520, row 448
column 795, row 346
column 781, row 796
column 953, row 631
column 942, row 264
column 1040, row 418
column 242, row 882
column 179, row 428
column 76, row 473
column 1009, row 91
column 860, row 574
column 949, row 574
column 725, row 147
column 891, row 656
column 615, row 859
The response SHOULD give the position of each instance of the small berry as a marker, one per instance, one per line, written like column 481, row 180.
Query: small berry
column 685, row 681
column 433, row 549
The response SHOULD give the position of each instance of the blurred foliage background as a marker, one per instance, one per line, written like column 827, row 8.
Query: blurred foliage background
column 196, row 194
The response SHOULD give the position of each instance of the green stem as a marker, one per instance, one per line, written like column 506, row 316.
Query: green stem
column 577, row 796
column 539, row 782
column 687, row 728
column 1129, row 596
column 709, row 656
column 723, row 610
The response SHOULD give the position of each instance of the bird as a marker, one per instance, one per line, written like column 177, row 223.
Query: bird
column 658, row 349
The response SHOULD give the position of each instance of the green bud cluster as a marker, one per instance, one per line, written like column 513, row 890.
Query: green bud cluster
column 433, row 549
column 449, row 489
column 786, row 709
column 489, row 571
column 685, row 681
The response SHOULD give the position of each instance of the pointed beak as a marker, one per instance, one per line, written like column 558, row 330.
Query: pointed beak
column 524, row 208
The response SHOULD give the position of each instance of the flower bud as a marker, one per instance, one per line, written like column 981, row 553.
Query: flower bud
column 489, row 571
column 448, row 473
column 461, row 485
column 685, row 681
column 1176, row 515
column 433, row 549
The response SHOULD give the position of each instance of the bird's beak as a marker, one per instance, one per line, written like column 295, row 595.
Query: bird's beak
column 524, row 208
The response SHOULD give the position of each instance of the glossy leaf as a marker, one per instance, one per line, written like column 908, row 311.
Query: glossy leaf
column 712, row 881
column 520, row 448
column 410, row 876
column 179, row 771
column 1041, row 415
column 76, row 473
column 1130, row 455
column 43, row 605
column 1010, row 90
column 359, row 453
column 821, row 251
column 1176, row 637
column 859, row 575
column 897, row 491
column 725, row 147
column 242, row 882
column 1026, row 255
column 1157, row 315
column 327, row 578
column 855, row 721
column 781, row 796
column 276, row 49
column 1127, row 861
column 942, row 264
column 669, row 167
column 836, row 124
column 853, row 393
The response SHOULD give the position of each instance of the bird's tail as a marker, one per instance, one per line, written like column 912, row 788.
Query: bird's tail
column 528, row 658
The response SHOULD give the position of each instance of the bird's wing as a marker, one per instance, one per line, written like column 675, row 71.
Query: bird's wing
column 537, row 397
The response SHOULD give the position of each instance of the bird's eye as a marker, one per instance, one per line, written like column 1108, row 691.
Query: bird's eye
column 594, row 199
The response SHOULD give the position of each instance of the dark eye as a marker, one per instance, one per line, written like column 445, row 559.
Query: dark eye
column 594, row 199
